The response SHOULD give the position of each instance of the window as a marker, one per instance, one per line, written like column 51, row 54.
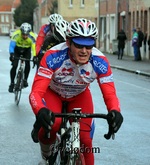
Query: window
column 82, row 3
column 2, row 18
column 4, row 29
column 96, row 3
column 70, row 3
column 7, row 18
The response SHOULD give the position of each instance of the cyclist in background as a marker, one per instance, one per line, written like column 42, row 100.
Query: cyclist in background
column 22, row 42
column 46, row 37
column 64, row 74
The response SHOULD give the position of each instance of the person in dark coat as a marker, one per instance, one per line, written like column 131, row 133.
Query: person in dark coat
column 121, row 43
column 140, row 40
column 148, row 42
column 145, row 42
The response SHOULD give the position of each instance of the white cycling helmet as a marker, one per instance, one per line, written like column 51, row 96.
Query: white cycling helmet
column 82, row 28
column 59, row 32
column 25, row 28
column 53, row 18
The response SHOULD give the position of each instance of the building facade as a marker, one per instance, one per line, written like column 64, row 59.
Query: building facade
column 7, row 8
column 123, row 14
column 109, row 15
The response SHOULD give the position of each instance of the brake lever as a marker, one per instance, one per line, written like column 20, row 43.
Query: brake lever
column 110, row 133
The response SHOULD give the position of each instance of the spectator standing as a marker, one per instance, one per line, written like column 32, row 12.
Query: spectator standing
column 121, row 43
column 148, row 42
column 140, row 40
column 135, row 44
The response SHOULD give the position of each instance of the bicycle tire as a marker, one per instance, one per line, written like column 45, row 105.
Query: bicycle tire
column 76, row 160
column 18, row 87
column 55, row 157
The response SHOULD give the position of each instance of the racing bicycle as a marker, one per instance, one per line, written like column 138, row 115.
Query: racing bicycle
column 66, row 149
column 19, row 78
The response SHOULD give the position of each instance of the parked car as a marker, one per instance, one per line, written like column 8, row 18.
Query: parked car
column 11, row 32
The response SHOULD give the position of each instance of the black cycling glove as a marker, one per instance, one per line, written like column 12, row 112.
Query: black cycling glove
column 35, row 131
column 115, row 120
column 12, row 57
column 45, row 118
column 35, row 60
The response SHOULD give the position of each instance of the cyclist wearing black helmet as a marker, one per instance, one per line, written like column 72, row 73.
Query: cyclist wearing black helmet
column 22, row 41
column 50, row 34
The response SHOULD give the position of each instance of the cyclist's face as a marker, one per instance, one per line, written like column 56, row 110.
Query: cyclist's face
column 80, row 53
column 24, row 36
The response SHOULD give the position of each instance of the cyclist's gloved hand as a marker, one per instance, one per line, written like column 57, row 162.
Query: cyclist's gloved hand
column 35, row 60
column 41, row 54
column 45, row 118
column 35, row 131
column 115, row 120
column 12, row 57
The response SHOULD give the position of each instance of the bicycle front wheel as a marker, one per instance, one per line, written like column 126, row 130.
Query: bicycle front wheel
column 18, row 87
column 78, row 159
column 17, row 96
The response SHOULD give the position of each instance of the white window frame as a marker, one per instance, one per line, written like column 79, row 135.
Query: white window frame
column 7, row 18
column 2, row 18
column 70, row 3
column 82, row 3
column 112, row 27
column 4, row 29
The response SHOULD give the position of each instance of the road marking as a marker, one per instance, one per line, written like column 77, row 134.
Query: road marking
column 135, row 85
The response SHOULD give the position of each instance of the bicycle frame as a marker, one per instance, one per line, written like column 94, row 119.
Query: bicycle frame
column 19, row 78
column 74, row 155
column 19, row 81
column 69, row 150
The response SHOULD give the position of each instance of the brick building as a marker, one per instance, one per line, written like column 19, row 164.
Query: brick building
column 122, row 14
column 7, row 8
column 109, row 15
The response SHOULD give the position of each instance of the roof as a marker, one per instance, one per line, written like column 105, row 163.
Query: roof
column 6, row 5
column 16, row 3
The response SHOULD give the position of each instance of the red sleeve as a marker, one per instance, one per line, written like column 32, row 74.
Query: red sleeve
column 39, row 87
column 108, row 89
column 110, row 97
column 40, row 39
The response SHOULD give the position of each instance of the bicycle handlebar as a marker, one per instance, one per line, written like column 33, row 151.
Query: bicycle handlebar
column 87, row 115
column 22, row 58
column 107, row 136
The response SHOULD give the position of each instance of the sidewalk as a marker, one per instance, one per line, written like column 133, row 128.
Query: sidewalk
column 127, row 64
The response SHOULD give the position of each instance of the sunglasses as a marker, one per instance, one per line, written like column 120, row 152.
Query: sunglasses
column 82, row 46
column 25, row 34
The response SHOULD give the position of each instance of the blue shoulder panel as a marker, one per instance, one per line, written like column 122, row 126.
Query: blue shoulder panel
column 99, row 64
column 56, row 59
column 46, row 29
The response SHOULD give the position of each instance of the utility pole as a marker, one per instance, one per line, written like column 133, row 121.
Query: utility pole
column 127, row 21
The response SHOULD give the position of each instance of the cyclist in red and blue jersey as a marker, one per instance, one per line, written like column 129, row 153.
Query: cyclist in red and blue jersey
column 46, row 37
column 22, row 43
column 65, row 73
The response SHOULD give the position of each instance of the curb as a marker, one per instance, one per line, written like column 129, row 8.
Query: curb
column 132, row 71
